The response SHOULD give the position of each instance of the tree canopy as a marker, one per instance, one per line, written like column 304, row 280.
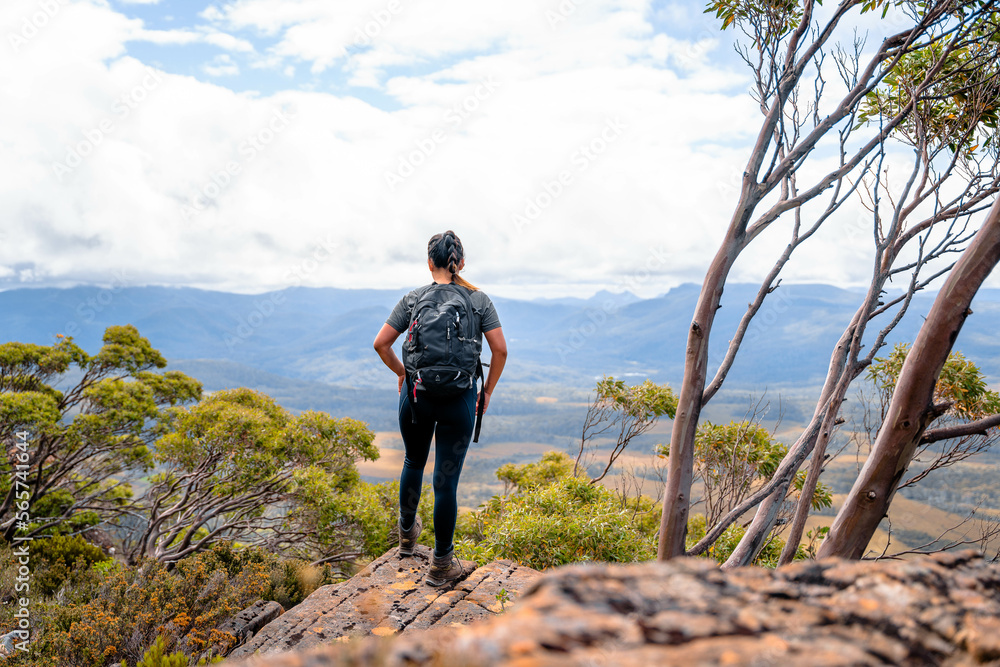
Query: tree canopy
column 111, row 440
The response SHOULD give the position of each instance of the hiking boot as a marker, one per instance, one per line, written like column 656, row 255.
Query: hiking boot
column 408, row 538
column 445, row 570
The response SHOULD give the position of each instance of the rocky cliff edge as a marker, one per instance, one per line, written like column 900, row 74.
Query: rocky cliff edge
column 937, row 610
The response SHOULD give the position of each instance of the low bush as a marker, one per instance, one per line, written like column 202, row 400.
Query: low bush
column 553, row 518
column 111, row 615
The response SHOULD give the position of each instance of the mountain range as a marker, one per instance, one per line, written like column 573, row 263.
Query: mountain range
column 324, row 335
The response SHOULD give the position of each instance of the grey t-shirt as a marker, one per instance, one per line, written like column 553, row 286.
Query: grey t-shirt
column 399, row 318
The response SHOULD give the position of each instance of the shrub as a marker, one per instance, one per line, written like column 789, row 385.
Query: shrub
column 292, row 580
column 155, row 657
column 60, row 560
column 116, row 614
column 553, row 519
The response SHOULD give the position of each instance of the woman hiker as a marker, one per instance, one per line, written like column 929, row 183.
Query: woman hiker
column 432, row 406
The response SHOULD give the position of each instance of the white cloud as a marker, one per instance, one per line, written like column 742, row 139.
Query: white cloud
column 221, row 65
column 181, row 37
column 618, row 147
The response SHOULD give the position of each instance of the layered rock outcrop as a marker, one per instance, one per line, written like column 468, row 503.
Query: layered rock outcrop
column 389, row 597
column 937, row 610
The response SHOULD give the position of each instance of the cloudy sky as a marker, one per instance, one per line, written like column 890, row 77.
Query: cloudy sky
column 248, row 145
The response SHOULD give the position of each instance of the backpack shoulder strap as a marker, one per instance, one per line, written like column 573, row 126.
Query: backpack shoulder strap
column 468, row 304
column 479, row 400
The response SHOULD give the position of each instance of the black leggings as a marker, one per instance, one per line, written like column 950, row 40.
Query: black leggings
column 451, row 422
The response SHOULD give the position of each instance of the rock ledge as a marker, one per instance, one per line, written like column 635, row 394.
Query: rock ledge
column 389, row 597
column 941, row 610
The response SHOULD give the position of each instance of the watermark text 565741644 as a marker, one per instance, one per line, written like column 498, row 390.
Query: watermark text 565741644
column 22, row 552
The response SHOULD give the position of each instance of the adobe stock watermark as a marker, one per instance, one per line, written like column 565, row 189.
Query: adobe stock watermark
column 88, row 309
column 731, row 184
column 379, row 20
column 265, row 307
column 222, row 178
column 700, row 44
column 561, row 13
column 407, row 163
column 597, row 317
column 580, row 161
column 20, row 474
column 123, row 107
column 33, row 24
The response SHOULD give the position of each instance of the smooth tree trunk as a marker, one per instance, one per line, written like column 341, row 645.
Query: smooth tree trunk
column 804, row 503
column 680, row 463
column 839, row 375
column 819, row 427
column 912, row 406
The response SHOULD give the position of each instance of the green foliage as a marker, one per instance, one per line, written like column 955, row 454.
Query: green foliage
column 814, row 539
column 645, row 401
column 744, row 446
column 234, row 465
column 566, row 522
column 552, row 467
column 370, row 515
column 724, row 546
column 961, row 385
column 822, row 496
column 59, row 503
column 781, row 16
column 112, row 614
column 503, row 597
column 731, row 460
column 124, row 349
column 156, row 657
column 555, row 519
column 61, row 560
column 120, row 611
column 241, row 458
column 625, row 411
column 958, row 110
column 84, row 439
column 28, row 410
column 251, row 438
column 289, row 580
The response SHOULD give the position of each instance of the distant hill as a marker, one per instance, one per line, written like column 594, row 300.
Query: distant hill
column 325, row 335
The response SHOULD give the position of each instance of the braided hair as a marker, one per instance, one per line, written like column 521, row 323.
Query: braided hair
column 446, row 251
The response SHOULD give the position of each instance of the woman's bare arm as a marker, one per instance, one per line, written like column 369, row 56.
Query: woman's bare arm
column 383, row 345
column 498, row 351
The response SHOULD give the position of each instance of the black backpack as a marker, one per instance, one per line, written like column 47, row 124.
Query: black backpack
column 441, row 350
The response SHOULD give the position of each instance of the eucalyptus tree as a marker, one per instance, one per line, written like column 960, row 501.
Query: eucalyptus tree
column 238, row 466
column 913, row 404
column 789, row 45
column 76, row 428
column 107, row 440
column 952, row 177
